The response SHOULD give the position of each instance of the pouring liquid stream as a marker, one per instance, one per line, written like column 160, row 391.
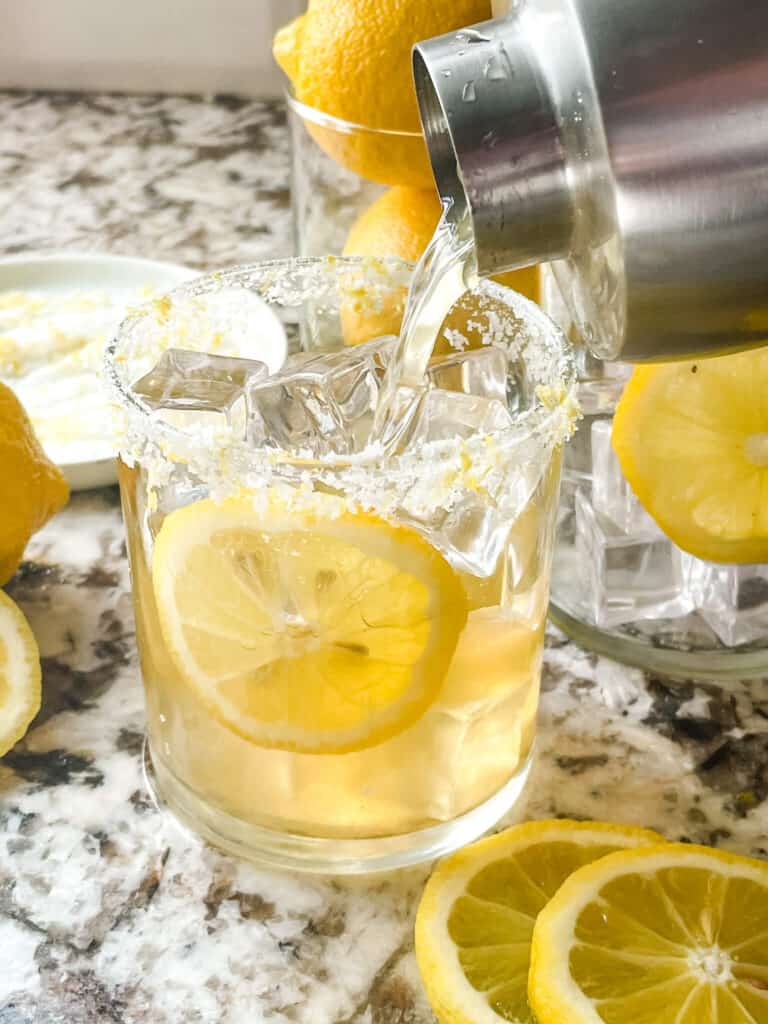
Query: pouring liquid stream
column 445, row 272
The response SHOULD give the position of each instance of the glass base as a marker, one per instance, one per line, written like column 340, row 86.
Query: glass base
column 717, row 664
column 289, row 852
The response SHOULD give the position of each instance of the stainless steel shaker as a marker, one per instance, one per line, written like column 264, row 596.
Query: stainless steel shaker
column 626, row 140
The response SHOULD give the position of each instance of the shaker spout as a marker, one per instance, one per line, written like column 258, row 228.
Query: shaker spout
column 494, row 144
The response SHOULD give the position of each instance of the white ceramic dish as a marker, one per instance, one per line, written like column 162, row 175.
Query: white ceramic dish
column 87, row 463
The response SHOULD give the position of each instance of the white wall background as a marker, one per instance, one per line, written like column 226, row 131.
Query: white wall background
column 198, row 46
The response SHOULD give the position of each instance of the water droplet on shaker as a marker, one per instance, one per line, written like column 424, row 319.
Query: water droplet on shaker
column 490, row 139
column 447, row 73
column 468, row 93
column 471, row 35
column 494, row 69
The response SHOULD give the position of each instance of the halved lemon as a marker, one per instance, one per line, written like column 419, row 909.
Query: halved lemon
column 672, row 934
column 692, row 440
column 314, row 630
column 19, row 674
column 476, row 917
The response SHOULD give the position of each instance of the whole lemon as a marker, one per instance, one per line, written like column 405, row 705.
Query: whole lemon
column 401, row 223
column 351, row 59
column 32, row 488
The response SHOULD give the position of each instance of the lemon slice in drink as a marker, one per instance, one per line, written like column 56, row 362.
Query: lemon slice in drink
column 476, row 917
column 692, row 440
column 19, row 674
column 671, row 934
column 316, row 631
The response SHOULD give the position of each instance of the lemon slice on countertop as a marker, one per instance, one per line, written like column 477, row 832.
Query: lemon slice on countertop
column 672, row 934
column 477, row 914
column 310, row 630
column 19, row 674
column 692, row 440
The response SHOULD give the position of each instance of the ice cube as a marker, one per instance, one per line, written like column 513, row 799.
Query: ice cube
column 321, row 403
column 566, row 511
column 464, row 395
column 417, row 416
column 472, row 534
column 629, row 577
column 612, row 496
column 732, row 599
column 480, row 372
column 185, row 383
column 442, row 415
column 577, row 459
column 472, row 530
column 599, row 395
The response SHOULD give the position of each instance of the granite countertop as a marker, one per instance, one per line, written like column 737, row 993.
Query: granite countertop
column 110, row 913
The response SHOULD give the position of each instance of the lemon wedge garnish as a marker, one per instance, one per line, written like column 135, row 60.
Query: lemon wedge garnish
column 692, row 440
column 313, row 630
column 672, row 934
column 19, row 674
column 477, row 914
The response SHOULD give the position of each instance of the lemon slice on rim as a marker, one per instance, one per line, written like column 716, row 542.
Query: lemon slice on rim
column 316, row 631
column 692, row 440
column 19, row 674
column 671, row 934
column 476, row 917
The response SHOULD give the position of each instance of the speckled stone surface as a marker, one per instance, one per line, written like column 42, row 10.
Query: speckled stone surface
column 108, row 912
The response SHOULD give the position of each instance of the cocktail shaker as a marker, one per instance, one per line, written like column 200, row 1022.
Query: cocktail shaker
column 625, row 142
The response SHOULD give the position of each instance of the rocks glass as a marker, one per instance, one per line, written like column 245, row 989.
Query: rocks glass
column 340, row 645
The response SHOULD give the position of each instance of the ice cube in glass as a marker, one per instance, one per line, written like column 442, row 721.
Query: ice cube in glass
column 184, row 383
column 320, row 403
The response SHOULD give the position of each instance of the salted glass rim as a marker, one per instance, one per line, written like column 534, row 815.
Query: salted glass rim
column 339, row 124
column 535, row 422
